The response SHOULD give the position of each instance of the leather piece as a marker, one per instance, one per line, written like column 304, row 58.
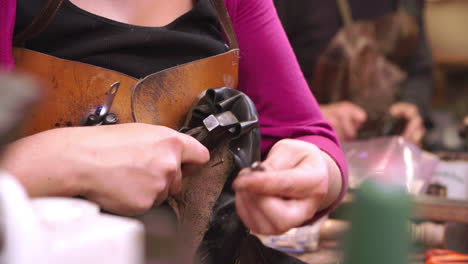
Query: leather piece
column 193, row 206
column 154, row 98
column 200, row 206
column 71, row 91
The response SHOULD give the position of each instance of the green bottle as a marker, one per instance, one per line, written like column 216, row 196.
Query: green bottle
column 379, row 225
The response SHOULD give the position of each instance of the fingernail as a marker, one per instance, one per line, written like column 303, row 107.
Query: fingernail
column 257, row 166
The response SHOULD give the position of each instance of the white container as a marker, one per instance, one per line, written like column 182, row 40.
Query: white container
column 63, row 230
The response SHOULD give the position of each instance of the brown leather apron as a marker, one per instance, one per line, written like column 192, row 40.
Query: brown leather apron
column 73, row 90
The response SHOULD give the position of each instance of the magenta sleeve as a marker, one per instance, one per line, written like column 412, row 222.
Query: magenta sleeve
column 270, row 75
column 7, row 22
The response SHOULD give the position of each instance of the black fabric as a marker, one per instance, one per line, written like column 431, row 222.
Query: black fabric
column 76, row 34
column 311, row 24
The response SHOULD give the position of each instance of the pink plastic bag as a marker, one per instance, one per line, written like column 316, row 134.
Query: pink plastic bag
column 390, row 159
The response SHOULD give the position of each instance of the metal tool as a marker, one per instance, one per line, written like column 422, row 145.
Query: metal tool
column 102, row 115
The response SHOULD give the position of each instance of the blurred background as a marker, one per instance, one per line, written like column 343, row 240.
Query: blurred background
column 446, row 22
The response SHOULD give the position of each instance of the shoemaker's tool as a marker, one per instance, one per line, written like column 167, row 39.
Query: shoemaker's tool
column 102, row 115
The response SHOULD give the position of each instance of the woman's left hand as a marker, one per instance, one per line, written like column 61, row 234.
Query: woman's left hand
column 294, row 185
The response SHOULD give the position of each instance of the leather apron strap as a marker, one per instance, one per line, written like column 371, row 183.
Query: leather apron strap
column 43, row 19
column 226, row 24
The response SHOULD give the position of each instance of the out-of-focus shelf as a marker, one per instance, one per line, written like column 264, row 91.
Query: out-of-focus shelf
column 446, row 22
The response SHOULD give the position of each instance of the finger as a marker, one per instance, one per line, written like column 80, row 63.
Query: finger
column 261, row 214
column 348, row 126
column 250, row 217
column 285, row 154
column 358, row 116
column 404, row 110
column 338, row 129
column 397, row 109
column 193, row 151
column 414, row 128
column 162, row 192
column 279, row 215
column 295, row 183
column 417, row 137
column 295, row 212
column 335, row 124
column 291, row 153
column 264, row 224
column 176, row 184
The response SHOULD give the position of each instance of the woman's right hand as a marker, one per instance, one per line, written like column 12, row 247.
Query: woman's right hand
column 124, row 168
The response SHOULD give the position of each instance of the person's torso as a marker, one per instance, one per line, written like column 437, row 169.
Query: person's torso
column 76, row 34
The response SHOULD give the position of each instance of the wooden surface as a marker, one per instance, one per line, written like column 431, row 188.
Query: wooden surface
column 330, row 253
column 446, row 30
column 437, row 209
column 432, row 208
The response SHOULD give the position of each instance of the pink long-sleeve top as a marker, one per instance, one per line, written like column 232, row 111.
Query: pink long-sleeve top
column 269, row 74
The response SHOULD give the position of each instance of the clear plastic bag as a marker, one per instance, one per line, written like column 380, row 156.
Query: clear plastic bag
column 390, row 159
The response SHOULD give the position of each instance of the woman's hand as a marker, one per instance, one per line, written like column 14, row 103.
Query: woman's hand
column 414, row 130
column 345, row 117
column 124, row 168
column 299, row 179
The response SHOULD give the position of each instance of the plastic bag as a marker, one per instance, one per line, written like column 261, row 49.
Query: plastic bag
column 452, row 174
column 390, row 159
